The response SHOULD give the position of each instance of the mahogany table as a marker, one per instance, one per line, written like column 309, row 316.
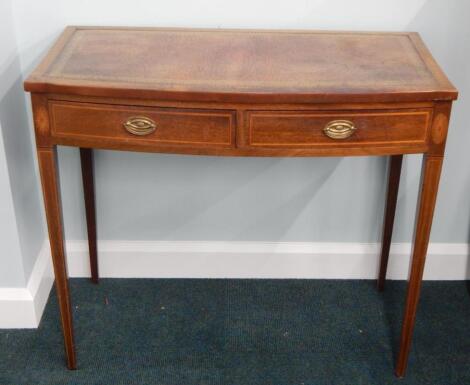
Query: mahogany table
column 241, row 93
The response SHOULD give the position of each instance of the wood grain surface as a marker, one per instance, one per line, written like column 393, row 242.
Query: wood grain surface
column 241, row 65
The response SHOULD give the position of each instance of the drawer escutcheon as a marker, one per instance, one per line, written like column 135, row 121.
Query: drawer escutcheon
column 140, row 125
column 339, row 129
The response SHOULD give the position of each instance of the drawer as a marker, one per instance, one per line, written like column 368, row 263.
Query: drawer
column 146, row 126
column 300, row 129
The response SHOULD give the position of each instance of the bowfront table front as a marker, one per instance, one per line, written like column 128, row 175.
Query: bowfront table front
column 241, row 93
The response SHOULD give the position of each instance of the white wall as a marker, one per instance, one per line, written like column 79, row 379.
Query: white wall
column 21, row 224
column 204, row 198
column 11, row 271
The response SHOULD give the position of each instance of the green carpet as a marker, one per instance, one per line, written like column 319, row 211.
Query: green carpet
column 243, row 332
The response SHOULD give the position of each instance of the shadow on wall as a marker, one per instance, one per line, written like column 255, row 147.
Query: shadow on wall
column 20, row 163
column 179, row 189
column 224, row 198
column 232, row 197
column 294, row 205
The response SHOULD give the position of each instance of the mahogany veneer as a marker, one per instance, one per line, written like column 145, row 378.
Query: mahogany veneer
column 241, row 93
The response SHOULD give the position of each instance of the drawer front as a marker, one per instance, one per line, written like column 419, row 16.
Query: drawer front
column 298, row 129
column 142, row 125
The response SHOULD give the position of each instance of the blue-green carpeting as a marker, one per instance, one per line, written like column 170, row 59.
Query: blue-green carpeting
column 243, row 332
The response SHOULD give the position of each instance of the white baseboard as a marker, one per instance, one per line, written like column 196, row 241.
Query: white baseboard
column 149, row 259
column 23, row 307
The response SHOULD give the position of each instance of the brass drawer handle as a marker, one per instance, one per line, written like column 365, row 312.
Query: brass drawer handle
column 339, row 129
column 140, row 125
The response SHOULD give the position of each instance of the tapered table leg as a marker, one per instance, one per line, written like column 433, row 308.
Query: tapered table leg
column 86, row 158
column 428, row 192
column 389, row 217
column 47, row 158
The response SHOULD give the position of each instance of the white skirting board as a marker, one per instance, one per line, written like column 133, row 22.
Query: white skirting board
column 22, row 308
column 148, row 259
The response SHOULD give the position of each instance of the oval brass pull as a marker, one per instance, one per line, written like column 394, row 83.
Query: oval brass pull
column 140, row 125
column 339, row 129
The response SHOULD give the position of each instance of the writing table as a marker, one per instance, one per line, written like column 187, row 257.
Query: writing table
column 241, row 93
